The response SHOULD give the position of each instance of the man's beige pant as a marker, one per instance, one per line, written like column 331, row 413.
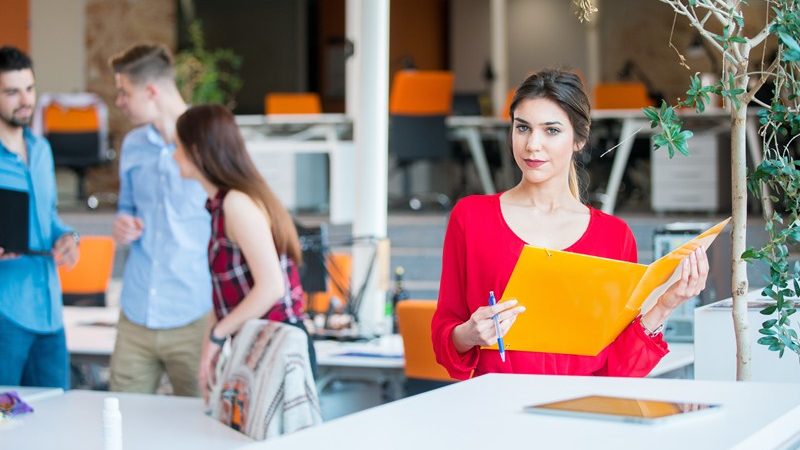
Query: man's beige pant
column 141, row 355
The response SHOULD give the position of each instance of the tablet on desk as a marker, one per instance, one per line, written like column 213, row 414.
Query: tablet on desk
column 14, row 223
column 623, row 409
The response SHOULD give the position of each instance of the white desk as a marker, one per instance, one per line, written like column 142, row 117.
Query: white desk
column 378, row 361
column 486, row 412
column 307, row 133
column 74, row 421
column 33, row 394
column 91, row 332
column 471, row 129
column 381, row 360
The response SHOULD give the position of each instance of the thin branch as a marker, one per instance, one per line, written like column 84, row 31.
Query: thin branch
column 705, row 19
column 759, row 103
column 763, row 79
column 759, row 38
column 694, row 23
column 681, row 58
column 622, row 141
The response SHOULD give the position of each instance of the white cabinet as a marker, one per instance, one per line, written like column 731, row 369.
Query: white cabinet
column 689, row 183
column 715, row 346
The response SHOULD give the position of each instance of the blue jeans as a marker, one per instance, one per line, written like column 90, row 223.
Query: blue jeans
column 32, row 359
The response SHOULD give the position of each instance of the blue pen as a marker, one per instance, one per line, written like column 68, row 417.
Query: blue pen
column 500, row 345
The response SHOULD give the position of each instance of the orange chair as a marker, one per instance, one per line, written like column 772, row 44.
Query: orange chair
column 76, row 125
column 86, row 283
column 419, row 104
column 421, row 93
column 621, row 96
column 292, row 103
column 414, row 320
column 338, row 266
column 505, row 113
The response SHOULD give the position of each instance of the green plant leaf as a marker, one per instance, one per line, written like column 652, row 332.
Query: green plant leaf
column 768, row 340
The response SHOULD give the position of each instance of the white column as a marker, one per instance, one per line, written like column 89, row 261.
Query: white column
column 372, row 143
column 499, row 53
column 351, row 66
column 593, row 50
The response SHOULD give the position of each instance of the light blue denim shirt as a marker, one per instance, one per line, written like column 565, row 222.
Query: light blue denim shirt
column 30, row 293
column 166, row 282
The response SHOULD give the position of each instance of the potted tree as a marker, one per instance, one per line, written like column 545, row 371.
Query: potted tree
column 744, row 73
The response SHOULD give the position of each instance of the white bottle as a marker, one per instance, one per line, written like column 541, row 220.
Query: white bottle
column 112, row 424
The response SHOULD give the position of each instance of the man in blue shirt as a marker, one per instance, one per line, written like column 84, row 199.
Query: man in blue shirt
column 166, row 294
column 33, row 351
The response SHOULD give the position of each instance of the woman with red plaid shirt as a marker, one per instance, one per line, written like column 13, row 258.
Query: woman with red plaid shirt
column 254, row 250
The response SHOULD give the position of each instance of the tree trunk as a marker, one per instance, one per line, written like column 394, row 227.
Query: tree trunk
column 739, row 283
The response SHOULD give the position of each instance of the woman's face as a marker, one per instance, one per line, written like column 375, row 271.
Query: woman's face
column 543, row 141
column 187, row 169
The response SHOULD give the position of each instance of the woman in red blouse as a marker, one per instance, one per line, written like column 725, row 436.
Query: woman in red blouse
column 486, row 233
column 254, row 250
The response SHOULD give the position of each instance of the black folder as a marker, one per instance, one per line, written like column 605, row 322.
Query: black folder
column 15, row 223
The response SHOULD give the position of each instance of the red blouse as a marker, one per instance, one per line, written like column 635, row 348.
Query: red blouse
column 478, row 233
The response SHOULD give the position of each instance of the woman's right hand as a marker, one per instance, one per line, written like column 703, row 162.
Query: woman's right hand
column 479, row 330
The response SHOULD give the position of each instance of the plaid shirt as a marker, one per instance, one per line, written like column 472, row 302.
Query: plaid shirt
column 231, row 279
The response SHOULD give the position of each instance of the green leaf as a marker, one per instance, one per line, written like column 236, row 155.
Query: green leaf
column 769, row 323
column 789, row 41
column 767, row 332
column 769, row 310
column 738, row 39
column 768, row 340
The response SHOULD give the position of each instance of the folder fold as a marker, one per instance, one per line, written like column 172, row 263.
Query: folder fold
column 578, row 304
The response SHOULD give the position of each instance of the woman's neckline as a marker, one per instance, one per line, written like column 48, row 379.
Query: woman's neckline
column 499, row 210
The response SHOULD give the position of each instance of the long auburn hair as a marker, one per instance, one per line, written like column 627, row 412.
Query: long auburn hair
column 215, row 146
column 566, row 90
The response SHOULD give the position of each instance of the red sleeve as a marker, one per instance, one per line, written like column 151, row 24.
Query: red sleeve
column 633, row 353
column 452, row 308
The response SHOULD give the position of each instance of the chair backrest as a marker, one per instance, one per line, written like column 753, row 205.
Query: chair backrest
column 338, row 267
column 93, row 271
column 421, row 93
column 621, row 96
column 292, row 103
column 414, row 320
column 419, row 103
column 466, row 104
column 76, row 126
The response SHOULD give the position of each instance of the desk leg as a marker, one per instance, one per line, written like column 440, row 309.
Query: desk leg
column 630, row 127
column 342, row 180
column 473, row 137
column 505, row 156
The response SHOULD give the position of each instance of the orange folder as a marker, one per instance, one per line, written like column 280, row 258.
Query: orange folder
column 578, row 304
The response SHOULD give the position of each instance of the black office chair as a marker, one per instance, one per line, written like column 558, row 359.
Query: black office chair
column 76, row 125
column 420, row 102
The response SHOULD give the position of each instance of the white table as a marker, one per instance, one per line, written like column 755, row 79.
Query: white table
column 378, row 361
column 91, row 339
column 74, row 421
column 91, row 332
column 308, row 133
column 471, row 129
column 31, row 394
column 486, row 412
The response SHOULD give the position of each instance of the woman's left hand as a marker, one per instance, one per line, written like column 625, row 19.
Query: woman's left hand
column 694, row 273
column 208, row 368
